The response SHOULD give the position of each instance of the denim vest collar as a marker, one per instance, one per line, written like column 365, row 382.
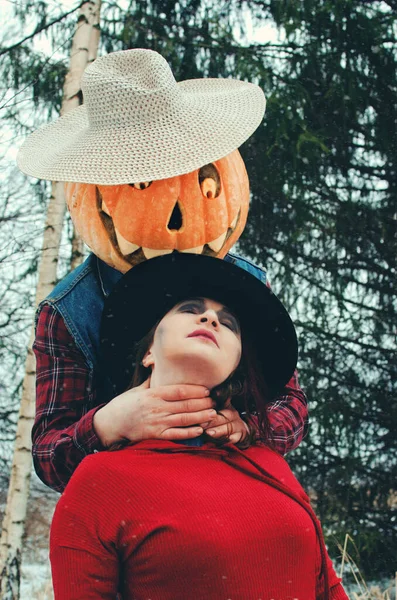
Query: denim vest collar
column 108, row 277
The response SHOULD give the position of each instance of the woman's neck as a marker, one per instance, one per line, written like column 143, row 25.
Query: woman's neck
column 193, row 374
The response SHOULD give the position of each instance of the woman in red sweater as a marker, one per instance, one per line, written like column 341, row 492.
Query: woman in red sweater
column 164, row 520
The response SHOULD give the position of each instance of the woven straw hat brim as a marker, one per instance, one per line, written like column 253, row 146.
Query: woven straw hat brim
column 215, row 117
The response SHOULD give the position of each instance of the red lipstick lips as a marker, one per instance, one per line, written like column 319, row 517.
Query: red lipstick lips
column 204, row 333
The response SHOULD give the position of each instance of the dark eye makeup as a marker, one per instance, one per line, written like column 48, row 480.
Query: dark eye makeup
column 197, row 306
column 227, row 319
column 193, row 306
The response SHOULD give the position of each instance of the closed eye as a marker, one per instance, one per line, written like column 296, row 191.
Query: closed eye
column 228, row 319
column 232, row 326
column 190, row 307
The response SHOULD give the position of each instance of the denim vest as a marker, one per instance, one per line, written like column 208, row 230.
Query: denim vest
column 79, row 299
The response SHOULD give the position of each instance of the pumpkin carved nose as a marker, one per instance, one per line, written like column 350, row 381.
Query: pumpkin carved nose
column 175, row 222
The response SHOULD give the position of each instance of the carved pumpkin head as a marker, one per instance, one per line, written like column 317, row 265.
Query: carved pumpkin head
column 202, row 212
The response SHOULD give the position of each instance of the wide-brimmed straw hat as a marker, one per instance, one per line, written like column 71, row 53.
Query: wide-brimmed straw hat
column 148, row 291
column 138, row 124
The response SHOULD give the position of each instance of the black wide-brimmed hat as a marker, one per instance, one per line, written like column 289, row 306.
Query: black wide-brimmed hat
column 150, row 289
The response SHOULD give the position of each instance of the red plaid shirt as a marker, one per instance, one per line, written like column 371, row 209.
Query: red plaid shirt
column 67, row 399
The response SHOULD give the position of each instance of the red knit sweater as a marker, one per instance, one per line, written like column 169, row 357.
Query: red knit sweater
column 164, row 521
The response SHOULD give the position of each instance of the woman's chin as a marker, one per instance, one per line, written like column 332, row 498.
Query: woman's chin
column 201, row 369
column 198, row 364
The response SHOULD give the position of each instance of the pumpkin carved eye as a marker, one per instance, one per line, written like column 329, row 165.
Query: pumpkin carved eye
column 209, row 181
column 142, row 185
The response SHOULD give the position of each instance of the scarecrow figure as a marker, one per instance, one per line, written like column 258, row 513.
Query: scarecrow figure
column 150, row 167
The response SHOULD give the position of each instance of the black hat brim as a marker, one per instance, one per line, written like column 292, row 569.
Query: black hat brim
column 150, row 289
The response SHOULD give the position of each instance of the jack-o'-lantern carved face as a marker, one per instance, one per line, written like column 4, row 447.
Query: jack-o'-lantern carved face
column 202, row 212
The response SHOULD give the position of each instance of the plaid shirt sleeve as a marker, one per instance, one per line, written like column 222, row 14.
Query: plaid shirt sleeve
column 63, row 432
column 288, row 417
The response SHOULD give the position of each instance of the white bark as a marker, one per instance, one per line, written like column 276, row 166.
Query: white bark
column 82, row 53
column 77, row 243
column 18, row 492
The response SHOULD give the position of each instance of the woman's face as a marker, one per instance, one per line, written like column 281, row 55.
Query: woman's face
column 199, row 339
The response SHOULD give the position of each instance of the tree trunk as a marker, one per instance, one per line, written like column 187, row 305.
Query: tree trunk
column 77, row 254
column 18, row 491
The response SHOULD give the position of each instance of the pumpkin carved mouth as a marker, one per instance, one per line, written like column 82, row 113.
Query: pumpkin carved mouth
column 135, row 254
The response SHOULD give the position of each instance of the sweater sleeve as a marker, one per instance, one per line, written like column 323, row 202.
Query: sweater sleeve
column 84, row 562
column 79, row 573
column 338, row 593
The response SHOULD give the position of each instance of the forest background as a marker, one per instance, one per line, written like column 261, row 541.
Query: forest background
column 323, row 216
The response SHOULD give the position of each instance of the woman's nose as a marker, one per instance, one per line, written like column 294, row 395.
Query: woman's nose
column 210, row 316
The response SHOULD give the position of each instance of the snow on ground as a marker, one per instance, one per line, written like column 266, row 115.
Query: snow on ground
column 36, row 581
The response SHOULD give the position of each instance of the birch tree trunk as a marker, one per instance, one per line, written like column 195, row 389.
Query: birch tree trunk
column 18, row 491
column 77, row 255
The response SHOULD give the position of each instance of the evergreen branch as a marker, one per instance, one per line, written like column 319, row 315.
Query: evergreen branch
column 212, row 44
column 332, row 265
column 40, row 29
column 391, row 3
column 339, row 378
column 332, row 292
column 344, row 342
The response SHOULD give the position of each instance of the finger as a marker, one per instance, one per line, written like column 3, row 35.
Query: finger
column 190, row 405
column 219, row 420
column 181, row 434
column 188, row 419
column 235, row 438
column 229, row 413
column 220, row 431
column 173, row 393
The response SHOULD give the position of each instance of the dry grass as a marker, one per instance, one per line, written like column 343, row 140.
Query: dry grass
column 364, row 593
